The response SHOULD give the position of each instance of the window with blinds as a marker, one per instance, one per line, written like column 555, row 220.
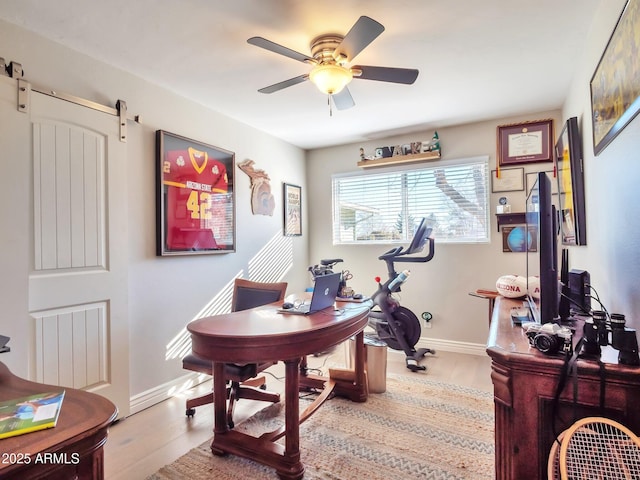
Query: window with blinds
column 387, row 207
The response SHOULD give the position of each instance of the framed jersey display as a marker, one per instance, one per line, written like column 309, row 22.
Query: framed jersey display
column 195, row 205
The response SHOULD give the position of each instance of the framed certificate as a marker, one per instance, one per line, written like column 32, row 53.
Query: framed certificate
column 510, row 180
column 527, row 142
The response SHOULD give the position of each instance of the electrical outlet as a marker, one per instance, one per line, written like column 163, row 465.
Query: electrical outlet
column 427, row 317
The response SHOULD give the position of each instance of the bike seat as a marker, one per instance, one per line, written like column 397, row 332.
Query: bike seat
column 330, row 261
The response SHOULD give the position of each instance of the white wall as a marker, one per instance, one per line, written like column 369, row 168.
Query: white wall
column 612, row 179
column 441, row 286
column 164, row 293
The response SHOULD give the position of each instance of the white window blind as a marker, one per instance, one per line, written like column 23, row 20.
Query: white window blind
column 387, row 207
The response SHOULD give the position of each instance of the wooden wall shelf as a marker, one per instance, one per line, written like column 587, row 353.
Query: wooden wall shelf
column 510, row 219
column 400, row 159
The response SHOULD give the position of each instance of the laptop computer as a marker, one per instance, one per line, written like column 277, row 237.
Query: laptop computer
column 324, row 295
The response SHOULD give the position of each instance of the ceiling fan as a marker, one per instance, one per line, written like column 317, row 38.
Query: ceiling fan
column 330, row 54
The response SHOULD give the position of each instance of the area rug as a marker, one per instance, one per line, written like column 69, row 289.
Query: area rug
column 418, row 428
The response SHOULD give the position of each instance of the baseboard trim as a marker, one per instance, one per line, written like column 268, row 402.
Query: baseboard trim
column 452, row 346
column 162, row 392
column 169, row 389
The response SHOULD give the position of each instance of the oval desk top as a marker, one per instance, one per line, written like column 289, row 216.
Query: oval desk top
column 263, row 334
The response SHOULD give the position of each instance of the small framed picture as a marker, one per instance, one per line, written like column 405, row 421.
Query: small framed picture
column 519, row 238
column 527, row 142
column 511, row 180
column 531, row 179
column 292, row 210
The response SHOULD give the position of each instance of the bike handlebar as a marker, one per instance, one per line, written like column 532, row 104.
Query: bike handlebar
column 397, row 255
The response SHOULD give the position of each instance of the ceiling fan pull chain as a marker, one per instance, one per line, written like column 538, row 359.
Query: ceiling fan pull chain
column 329, row 103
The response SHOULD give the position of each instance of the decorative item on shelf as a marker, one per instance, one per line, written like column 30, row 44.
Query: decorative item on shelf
column 262, row 201
column 433, row 145
column 404, row 153
column 503, row 206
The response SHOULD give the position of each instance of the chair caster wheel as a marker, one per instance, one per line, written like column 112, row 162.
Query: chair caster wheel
column 190, row 412
column 416, row 368
column 413, row 365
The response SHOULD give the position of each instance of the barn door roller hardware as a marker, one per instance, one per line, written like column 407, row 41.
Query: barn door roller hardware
column 14, row 70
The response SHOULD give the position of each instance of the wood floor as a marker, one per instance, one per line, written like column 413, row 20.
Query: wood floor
column 142, row 443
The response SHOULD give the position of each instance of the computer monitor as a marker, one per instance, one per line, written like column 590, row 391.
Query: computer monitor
column 542, row 257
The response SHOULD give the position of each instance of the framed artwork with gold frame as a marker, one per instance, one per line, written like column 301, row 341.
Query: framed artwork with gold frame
column 527, row 142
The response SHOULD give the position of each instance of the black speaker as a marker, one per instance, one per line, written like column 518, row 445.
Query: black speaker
column 579, row 290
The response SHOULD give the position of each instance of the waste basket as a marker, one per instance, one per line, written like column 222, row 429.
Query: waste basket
column 375, row 362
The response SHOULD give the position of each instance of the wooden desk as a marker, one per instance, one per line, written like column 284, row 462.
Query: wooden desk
column 73, row 447
column 263, row 334
column 525, row 382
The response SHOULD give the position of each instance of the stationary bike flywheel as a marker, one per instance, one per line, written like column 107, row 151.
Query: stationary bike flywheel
column 407, row 323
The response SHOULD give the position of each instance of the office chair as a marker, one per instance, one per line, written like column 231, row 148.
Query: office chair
column 242, row 380
column 596, row 448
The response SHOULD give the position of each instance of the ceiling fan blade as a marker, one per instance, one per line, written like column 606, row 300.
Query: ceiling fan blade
column 386, row 74
column 276, row 48
column 343, row 99
column 363, row 32
column 287, row 83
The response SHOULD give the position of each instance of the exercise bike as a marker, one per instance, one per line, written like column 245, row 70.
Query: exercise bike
column 394, row 324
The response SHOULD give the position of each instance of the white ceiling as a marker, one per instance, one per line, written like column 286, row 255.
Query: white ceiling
column 478, row 60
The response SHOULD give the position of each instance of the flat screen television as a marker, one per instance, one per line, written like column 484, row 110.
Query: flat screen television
column 542, row 252
column 568, row 153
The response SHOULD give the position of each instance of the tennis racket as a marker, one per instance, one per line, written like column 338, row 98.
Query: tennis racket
column 597, row 448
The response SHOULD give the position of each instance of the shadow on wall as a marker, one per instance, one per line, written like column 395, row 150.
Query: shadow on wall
column 270, row 264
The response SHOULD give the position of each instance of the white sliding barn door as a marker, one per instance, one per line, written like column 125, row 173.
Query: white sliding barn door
column 78, row 276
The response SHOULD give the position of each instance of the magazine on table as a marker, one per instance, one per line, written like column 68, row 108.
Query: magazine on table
column 29, row 414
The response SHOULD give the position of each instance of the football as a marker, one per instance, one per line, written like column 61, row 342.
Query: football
column 512, row 286
column 534, row 287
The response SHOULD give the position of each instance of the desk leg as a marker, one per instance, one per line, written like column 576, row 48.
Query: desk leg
column 359, row 360
column 351, row 384
column 220, row 425
column 292, row 421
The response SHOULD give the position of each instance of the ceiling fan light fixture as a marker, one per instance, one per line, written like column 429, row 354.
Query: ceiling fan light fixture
column 330, row 78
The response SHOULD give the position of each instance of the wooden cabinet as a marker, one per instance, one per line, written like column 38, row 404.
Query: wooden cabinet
column 70, row 450
column 525, row 383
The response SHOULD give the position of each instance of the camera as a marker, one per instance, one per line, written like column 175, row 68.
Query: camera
column 550, row 338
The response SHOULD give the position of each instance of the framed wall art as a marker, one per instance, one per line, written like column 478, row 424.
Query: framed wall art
column 510, row 180
column 292, row 210
column 615, row 85
column 195, row 204
column 527, row 142
column 519, row 238
column 533, row 176
column 571, row 185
